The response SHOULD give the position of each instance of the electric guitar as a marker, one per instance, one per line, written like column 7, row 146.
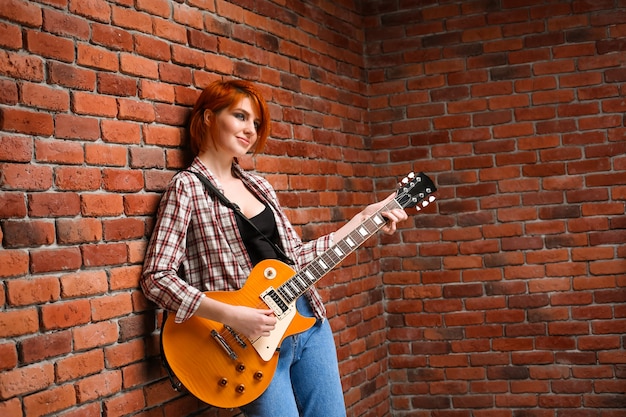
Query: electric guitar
column 222, row 367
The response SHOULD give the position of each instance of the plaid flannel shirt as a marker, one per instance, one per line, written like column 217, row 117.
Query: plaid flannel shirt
column 196, row 245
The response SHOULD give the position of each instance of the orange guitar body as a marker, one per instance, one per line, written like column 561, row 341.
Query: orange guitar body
column 217, row 365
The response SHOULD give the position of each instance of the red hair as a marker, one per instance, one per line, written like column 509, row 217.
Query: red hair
column 220, row 95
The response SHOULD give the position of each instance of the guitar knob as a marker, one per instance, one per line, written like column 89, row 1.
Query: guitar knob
column 241, row 367
column 223, row 382
column 241, row 388
column 258, row 375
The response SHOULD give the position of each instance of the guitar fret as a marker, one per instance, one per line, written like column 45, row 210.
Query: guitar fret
column 310, row 276
column 337, row 250
column 292, row 287
column 300, row 283
column 284, row 290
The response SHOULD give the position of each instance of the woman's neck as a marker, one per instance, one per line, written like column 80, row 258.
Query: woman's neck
column 221, row 168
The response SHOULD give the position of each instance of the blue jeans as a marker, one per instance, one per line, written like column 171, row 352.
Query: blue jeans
column 306, row 382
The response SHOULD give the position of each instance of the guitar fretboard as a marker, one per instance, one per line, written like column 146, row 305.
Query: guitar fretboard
column 324, row 263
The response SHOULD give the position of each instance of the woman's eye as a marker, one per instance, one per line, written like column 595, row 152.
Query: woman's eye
column 240, row 116
column 257, row 125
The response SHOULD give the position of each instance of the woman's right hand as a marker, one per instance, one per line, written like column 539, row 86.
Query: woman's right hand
column 251, row 322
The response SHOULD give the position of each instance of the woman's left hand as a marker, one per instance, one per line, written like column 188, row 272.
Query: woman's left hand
column 393, row 217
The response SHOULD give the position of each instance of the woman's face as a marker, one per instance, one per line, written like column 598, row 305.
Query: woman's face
column 235, row 128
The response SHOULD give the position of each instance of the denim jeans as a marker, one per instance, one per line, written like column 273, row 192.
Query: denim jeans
column 306, row 382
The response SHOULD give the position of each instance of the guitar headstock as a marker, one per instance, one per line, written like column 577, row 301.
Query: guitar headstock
column 415, row 190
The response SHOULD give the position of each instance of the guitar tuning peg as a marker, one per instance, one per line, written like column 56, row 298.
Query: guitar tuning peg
column 411, row 175
column 405, row 180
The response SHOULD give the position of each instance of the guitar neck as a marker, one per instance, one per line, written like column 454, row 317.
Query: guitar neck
column 297, row 285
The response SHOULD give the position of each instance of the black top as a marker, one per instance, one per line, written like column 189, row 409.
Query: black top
column 259, row 248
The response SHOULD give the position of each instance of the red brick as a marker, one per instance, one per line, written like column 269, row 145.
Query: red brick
column 138, row 66
column 63, row 315
column 157, row 48
column 111, row 37
column 26, row 380
column 121, row 132
column 147, row 158
column 50, row 46
column 15, row 149
column 78, row 178
column 10, row 36
column 137, row 251
column 140, row 373
column 144, row 204
column 167, row 29
column 50, row 401
column 53, row 204
column 94, row 205
column 60, row 152
column 51, row 260
column 125, row 277
column 36, row 290
column 43, row 97
column 13, row 263
column 98, row 10
column 105, row 155
column 78, row 231
column 123, row 229
column 26, row 122
column 21, row 12
column 71, row 76
column 151, row 90
column 83, row 284
column 116, row 85
column 21, row 67
column 104, row 254
column 125, row 403
column 122, row 354
column 8, row 355
column 135, row 110
column 131, row 19
column 79, row 365
column 72, row 127
column 95, row 335
column 8, row 92
column 59, row 23
column 39, row 347
column 94, row 105
column 104, row 308
column 122, row 180
column 104, row 384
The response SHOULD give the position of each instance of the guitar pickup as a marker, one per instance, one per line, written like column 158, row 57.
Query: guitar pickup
column 273, row 301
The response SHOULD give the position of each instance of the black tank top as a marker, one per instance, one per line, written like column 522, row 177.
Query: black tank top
column 258, row 248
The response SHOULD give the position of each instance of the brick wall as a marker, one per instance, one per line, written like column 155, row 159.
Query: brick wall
column 512, row 302
column 506, row 298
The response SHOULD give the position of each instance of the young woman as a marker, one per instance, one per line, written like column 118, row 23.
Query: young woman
column 198, row 244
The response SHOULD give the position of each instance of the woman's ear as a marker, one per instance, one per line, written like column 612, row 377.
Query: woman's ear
column 207, row 116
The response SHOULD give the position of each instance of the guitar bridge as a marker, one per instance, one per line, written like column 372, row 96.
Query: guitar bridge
column 224, row 344
column 273, row 301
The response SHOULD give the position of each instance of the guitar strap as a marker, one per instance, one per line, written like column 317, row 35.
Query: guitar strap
column 220, row 196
